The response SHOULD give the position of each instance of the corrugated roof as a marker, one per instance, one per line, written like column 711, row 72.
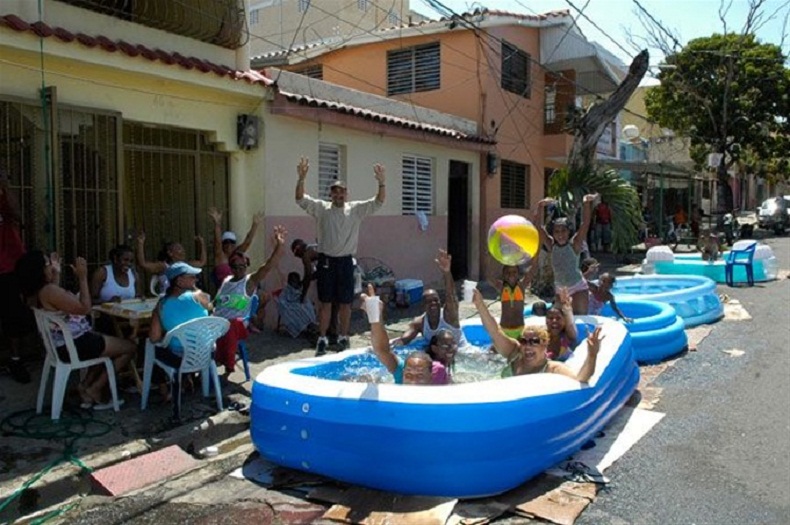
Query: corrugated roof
column 44, row 30
column 384, row 118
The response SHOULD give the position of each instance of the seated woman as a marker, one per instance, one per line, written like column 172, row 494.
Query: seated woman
column 38, row 279
column 118, row 280
column 182, row 302
column 442, row 349
column 296, row 314
column 562, row 329
column 529, row 353
column 234, row 299
column 170, row 253
column 416, row 369
column 601, row 293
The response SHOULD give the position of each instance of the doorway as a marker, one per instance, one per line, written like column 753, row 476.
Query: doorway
column 458, row 218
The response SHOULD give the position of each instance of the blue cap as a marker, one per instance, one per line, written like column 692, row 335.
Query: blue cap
column 180, row 268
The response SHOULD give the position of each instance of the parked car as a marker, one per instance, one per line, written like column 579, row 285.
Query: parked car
column 774, row 214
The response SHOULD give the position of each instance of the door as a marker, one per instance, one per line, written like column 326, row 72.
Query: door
column 459, row 218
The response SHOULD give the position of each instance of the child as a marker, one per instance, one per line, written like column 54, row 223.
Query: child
column 710, row 247
column 589, row 268
column 562, row 329
column 539, row 308
column 512, row 291
column 565, row 249
column 601, row 293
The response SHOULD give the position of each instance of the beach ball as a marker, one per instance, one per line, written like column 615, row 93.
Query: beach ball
column 513, row 240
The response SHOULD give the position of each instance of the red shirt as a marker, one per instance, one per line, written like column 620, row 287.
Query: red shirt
column 603, row 214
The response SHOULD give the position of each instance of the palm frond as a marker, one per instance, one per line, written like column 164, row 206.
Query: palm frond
column 568, row 188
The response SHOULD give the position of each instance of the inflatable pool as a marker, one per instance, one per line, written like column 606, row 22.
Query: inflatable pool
column 657, row 332
column 657, row 261
column 693, row 296
column 461, row 440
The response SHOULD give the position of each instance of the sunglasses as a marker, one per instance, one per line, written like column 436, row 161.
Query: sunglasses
column 532, row 341
column 238, row 266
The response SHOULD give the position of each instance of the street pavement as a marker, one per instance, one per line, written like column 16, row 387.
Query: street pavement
column 721, row 455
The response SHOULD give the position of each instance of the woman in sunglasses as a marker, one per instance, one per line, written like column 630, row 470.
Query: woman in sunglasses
column 528, row 353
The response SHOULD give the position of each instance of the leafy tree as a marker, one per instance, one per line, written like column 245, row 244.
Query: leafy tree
column 730, row 94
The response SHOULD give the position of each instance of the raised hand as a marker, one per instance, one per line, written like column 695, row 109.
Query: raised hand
column 594, row 342
column 477, row 298
column 54, row 261
column 590, row 197
column 564, row 297
column 279, row 234
column 303, row 167
column 379, row 172
column 258, row 218
column 80, row 267
column 199, row 240
column 141, row 237
column 444, row 260
column 215, row 215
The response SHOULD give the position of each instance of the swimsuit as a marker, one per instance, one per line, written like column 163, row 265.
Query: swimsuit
column 595, row 306
column 511, row 294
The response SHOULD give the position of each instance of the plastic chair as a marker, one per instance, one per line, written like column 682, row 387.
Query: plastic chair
column 45, row 322
column 743, row 257
column 197, row 338
column 153, row 286
column 241, row 349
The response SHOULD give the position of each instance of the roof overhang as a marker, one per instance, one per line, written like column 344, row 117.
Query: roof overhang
column 563, row 47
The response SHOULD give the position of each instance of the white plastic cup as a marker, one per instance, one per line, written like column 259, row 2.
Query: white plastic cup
column 373, row 309
column 469, row 288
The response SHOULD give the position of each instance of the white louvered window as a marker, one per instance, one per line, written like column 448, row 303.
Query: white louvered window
column 254, row 18
column 330, row 167
column 413, row 69
column 303, row 5
column 362, row 5
column 514, row 185
column 417, row 191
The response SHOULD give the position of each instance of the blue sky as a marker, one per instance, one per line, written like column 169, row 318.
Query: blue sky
column 688, row 19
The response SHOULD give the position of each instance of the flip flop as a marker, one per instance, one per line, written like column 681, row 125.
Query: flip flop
column 107, row 406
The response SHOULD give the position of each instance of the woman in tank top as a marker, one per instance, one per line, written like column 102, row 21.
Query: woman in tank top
column 118, row 280
column 565, row 248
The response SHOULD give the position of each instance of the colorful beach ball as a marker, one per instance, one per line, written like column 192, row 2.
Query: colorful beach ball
column 513, row 240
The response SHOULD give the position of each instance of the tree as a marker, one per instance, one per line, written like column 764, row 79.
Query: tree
column 729, row 94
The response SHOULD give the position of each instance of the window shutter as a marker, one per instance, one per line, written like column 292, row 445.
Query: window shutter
column 413, row 69
column 329, row 168
column 514, row 185
column 417, row 191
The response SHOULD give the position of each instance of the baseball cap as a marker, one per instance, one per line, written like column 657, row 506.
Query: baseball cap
column 229, row 236
column 180, row 268
column 338, row 184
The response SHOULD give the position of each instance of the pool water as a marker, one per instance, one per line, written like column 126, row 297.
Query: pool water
column 472, row 365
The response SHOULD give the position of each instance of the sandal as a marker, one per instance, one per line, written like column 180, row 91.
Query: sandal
column 108, row 405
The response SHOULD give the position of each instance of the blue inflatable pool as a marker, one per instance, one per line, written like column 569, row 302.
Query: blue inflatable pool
column 693, row 297
column 765, row 265
column 657, row 332
column 461, row 440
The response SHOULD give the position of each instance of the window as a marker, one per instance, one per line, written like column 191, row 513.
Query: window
column 515, row 70
column 330, row 167
column 550, row 109
column 392, row 18
column 303, row 5
column 417, row 191
column 254, row 16
column 362, row 5
column 413, row 69
column 316, row 71
column 514, row 185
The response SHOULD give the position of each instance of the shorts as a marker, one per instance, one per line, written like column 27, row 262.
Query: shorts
column 514, row 332
column 90, row 345
column 16, row 319
column 581, row 286
column 335, row 279
column 604, row 233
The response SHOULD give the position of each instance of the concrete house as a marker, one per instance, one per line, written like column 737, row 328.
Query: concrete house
column 114, row 121
column 514, row 75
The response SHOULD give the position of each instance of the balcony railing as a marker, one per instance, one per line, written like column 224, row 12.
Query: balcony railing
column 218, row 22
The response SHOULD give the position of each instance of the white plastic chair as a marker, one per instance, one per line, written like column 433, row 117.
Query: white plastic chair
column 197, row 338
column 46, row 321
column 153, row 286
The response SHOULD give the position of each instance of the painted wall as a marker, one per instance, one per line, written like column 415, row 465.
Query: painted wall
column 390, row 236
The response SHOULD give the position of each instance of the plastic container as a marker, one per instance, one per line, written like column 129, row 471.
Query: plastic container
column 408, row 291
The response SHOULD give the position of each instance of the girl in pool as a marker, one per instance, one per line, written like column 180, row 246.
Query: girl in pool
column 601, row 293
column 565, row 249
column 442, row 349
column 512, row 290
column 561, row 328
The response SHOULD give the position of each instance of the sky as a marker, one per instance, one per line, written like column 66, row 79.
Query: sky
column 688, row 19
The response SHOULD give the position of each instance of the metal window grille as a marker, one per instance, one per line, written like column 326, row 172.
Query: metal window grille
column 515, row 70
column 417, row 190
column 330, row 167
column 413, row 69
column 219, row 22
column 514, row 185
column 254, row 17
column 303, row 5
column 362, row 5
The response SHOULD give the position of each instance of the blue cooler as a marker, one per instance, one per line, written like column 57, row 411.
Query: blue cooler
column 408, row 291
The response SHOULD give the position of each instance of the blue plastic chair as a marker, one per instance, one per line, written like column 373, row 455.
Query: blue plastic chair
column 241, row 350
column 743, row 258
